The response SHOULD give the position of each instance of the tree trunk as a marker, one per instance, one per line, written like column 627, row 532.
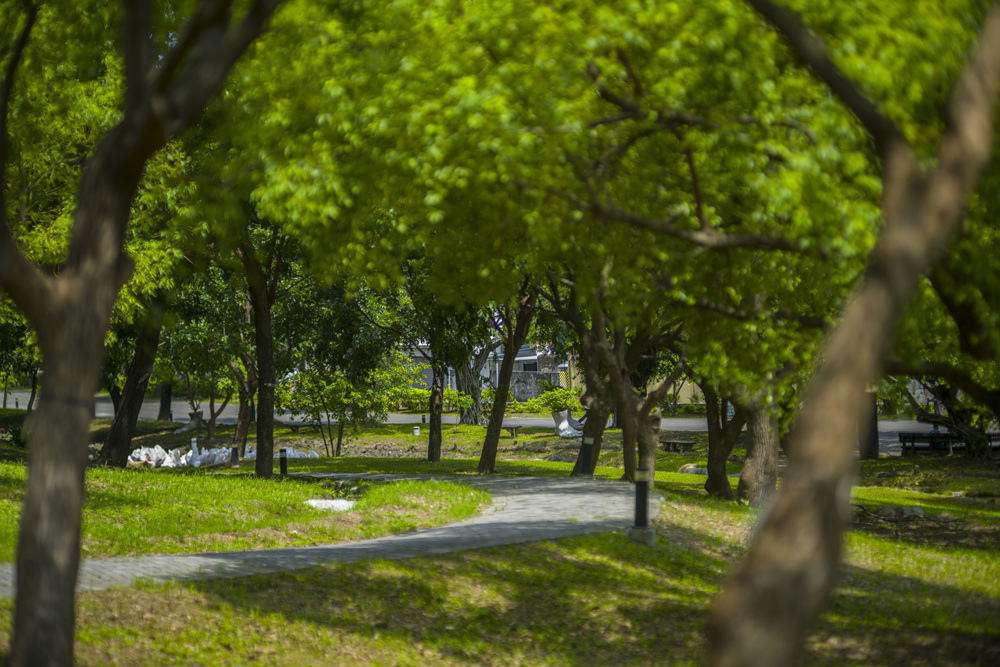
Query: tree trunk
column 166, row 399
column 118, row 443
column 258, row 289
column 340, row 436
column 246, row 384
column 648, row 440
column 213, row 414
column 630, row 435
column 722, row 436
column 435, row 408
column 488, row 457
column 49, row 539
column 5, row 378
column 524, row 314
column 593, row 431
column 760, row 472
column 34, row 391
column 116, row 398
column 468, row 381
column 783, row 582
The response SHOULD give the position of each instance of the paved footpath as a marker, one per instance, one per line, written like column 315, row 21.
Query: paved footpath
column 524, row 509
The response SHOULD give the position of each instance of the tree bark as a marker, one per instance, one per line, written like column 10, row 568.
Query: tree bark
column 593, row 431
column 722, row 436
column 118, row 443
column 261, row 303
column 759, row 478
column 166, row 399
column 514, row 338
column 246, row 384
column 34, row 390
column 435, row 409
column 468, row 380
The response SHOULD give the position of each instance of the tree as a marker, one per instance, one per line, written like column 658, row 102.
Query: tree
column 779, row 588
column 168, row 83
column 512, row 322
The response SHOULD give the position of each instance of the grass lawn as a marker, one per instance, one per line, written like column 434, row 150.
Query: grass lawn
column 920, row 590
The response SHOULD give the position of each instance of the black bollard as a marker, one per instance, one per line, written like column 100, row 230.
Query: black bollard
column 642, row 498
column 283, row 454
column 588, row 453
column 234, row 457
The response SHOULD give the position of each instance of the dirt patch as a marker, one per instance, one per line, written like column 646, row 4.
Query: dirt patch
column 942, row 531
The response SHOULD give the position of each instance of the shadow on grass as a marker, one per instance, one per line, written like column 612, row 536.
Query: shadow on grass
column 583, row 601
column 879, row 618
column 601, row 600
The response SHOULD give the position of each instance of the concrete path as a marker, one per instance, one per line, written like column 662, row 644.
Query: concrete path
column 524, row 509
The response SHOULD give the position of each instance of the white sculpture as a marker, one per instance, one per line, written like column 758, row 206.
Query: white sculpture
column 566, row 426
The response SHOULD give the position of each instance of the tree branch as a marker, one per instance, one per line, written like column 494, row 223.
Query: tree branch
column 813, row 53
column 27, row 286
column 137, row 38
column 951, row 374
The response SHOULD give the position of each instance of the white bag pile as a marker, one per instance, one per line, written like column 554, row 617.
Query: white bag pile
column 157, row 457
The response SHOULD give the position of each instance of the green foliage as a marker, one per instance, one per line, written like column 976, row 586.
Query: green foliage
column 457, row 400
column 416, row 399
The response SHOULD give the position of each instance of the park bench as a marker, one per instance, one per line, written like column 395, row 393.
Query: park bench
column 677, row 446
column 930, row 441
column 512, row 429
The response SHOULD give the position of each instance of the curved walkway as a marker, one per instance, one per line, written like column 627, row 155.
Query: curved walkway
column 524, row 509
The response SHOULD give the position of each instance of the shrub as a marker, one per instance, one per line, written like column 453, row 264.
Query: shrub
column 558, row 398
column 415, row 398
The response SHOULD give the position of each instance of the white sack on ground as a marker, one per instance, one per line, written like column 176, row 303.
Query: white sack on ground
column 290, row 452
column 157, row 457
column 338, row 505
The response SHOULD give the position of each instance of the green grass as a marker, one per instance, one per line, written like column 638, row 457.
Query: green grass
column 921, row 591
column 130, row 512
column 596, row 600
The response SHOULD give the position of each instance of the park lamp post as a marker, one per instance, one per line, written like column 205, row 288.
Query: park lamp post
column 641, row 532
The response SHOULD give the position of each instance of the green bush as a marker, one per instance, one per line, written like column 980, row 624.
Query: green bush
column 415, row 398
column 692, row 409
column 559, row 399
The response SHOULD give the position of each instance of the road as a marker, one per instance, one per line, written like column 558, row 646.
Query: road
column 888, row 429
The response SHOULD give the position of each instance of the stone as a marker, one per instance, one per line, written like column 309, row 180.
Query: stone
column 644, row 536
column 890, row 511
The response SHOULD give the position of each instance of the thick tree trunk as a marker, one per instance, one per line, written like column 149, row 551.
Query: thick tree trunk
column 118, row 443
column 166, row 398
column 722, row 436
column 630, row 436
column 468, row 381
column 49, row 539
column 593, row 432
column 116, row 398
column 648, row 440
column 264, row 466
column 781, row 586
column 759, row 478
column 436, row 408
